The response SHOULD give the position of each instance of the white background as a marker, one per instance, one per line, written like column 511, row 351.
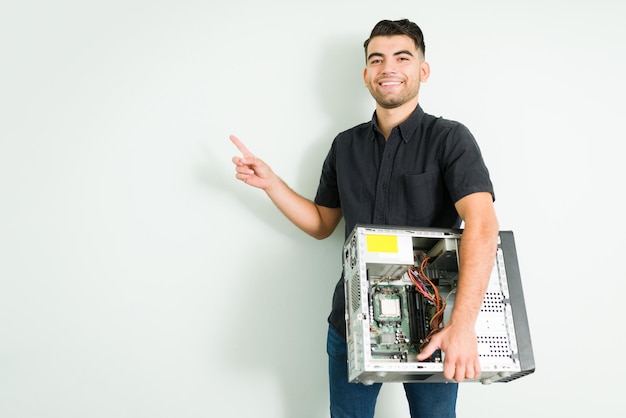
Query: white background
column 138, row 278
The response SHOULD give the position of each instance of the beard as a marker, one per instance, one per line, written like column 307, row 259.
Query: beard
column 388, row 100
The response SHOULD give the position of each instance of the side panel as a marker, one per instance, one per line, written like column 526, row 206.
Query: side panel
column 520, row 318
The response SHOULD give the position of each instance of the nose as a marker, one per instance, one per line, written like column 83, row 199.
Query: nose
column 389, row 68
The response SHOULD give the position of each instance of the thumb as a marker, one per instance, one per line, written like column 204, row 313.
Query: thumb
column 428, row 351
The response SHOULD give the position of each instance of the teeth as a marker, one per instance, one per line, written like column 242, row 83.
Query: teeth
column 390, row 83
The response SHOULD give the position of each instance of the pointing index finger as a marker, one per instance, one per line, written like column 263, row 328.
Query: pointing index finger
column 241, row 147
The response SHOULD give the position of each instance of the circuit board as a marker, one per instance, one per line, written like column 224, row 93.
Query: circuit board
column 402, row 320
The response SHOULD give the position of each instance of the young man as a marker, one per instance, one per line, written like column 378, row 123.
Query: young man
column 406, row 168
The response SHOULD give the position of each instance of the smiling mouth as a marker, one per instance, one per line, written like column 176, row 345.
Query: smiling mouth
column 390, row 83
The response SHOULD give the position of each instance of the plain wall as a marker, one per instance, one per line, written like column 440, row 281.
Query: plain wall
column 138, row 278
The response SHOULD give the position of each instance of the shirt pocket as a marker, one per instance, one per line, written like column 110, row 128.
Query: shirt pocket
column 423, row 196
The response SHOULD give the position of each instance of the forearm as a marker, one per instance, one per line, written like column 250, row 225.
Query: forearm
column 476, row 260
column 302, row 212
column 317, row 221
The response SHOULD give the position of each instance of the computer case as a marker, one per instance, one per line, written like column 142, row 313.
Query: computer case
column 400, row 285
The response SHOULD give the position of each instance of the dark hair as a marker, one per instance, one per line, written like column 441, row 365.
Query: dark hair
column 398, row 27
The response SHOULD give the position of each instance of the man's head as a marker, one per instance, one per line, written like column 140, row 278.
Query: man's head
column 395, row 65
column 398, row 27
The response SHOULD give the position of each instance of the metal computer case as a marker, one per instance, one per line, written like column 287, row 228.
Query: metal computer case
column 387, row 319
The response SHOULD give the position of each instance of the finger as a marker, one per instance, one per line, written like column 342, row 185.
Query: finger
column 476, row 370
column 241, row 147
column 426, row 352
column 244, row 169
column 459, row 374
column 468, row 370
column 239, row 161
column 449, row 369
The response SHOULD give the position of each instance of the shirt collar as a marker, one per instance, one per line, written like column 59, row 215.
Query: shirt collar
column 406, row 128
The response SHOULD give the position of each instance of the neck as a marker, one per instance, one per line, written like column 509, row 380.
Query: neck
column 388, row 119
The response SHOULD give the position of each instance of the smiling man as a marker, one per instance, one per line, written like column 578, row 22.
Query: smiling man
column 395, row 70
column 406, row 168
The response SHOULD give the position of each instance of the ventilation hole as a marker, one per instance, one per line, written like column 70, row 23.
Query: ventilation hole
column 356, row 294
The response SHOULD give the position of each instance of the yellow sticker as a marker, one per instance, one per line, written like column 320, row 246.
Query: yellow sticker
column 382, row 243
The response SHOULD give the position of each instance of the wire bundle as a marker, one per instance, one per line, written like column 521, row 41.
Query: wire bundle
column 429, row 290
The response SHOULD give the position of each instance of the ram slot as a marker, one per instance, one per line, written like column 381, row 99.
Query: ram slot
column 417, row 317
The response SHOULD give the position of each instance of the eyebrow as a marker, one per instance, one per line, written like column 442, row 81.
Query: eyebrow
column 395, row 54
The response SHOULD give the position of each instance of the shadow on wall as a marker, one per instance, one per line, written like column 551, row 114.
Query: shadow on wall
column 345, row 101
column 281, row 318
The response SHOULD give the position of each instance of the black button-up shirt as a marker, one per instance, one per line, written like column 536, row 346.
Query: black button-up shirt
column 412, row 179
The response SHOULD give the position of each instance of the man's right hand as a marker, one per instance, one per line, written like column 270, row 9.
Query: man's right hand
column 250, row 169
column 317, row 221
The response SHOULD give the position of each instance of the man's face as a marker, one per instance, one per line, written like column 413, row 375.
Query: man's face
column 394, row 70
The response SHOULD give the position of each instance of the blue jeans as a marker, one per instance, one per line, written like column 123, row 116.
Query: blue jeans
column 355, row 400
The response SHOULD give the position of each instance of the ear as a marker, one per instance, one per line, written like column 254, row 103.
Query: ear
column 424, row 71
column 365, row 76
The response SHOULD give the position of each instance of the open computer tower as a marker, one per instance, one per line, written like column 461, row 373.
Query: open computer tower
column 400, row 287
